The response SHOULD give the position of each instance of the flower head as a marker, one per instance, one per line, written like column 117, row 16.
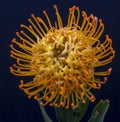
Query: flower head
column 62, row 59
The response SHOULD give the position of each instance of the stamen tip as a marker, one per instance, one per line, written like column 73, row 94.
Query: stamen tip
column 74, row 7
column 55, row 6
column 100, row 20
column 35, row 97
column 32, row 15
column 21, row 81
column 29, row 20
column 21, row 31
column 11, row 45
column 29, row 97
column 105, row 78
column 51, row 104
column 67, row 107
column 107, row 36
column 17, row 33
column 92, row 98
column 21, row 25
column 110, row 69
column 56, row 105
column 44, row 12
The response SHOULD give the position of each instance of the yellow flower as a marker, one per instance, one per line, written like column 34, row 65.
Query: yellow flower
column 62, row 59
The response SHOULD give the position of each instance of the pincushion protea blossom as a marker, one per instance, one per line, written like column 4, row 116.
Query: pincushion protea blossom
column 62, row 59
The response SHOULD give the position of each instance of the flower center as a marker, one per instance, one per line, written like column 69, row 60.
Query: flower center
column 63, row 53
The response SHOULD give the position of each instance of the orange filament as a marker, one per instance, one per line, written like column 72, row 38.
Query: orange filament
column 62, row 59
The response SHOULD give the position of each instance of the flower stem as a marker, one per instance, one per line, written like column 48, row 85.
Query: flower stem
column 45, row 115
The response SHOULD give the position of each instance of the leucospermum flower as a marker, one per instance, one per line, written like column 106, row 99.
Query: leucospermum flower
column 62, row 59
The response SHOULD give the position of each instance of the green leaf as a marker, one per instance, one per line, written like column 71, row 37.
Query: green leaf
column 81, row 110
column 45, row 116
column 64, row 115
column 99, row 111
column 72, row 115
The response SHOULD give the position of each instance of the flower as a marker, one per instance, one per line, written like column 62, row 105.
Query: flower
column 62, row 59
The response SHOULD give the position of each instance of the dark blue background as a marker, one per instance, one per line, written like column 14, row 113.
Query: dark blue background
column 14, row 105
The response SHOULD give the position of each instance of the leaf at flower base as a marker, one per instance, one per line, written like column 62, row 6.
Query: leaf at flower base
column 64, row 115
column 72, row 115
column 81, row 110
column 99, row 111
column 45, row 116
